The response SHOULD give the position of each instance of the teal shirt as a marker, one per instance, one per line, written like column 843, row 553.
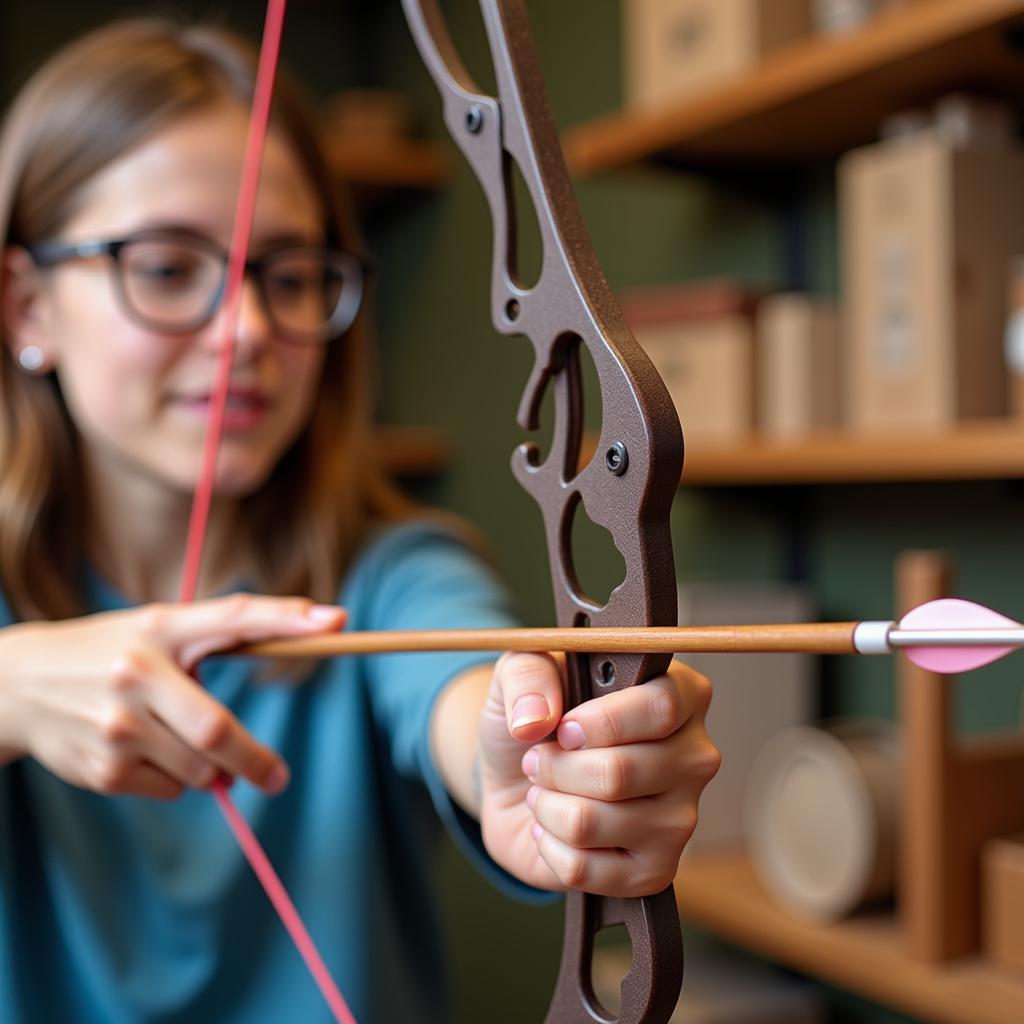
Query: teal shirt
column 117, row 910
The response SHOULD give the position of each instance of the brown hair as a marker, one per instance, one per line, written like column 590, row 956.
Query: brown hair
column 84, row 108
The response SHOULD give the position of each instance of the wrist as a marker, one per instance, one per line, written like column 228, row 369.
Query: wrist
column 13, row 744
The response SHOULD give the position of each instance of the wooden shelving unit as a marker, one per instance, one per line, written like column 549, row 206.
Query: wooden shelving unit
column 822, row 95
column 404, row 164
column 413, row 451
column 865, row 954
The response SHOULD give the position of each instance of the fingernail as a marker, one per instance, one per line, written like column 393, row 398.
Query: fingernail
column 536, row 832
column 322, row 613
column 531, row 796
column 570, row 736
column 531, row 765
column 529, row 710
column 277, row 779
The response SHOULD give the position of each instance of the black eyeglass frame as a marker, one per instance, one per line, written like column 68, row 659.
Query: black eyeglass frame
column 54, row 252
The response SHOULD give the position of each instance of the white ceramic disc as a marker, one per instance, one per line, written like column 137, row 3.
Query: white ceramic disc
column 812, row 828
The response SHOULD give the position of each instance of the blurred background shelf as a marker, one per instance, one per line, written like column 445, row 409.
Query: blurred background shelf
column 402, row 164
column 983, row 450
column 823, row 95
column 865, row 954
column 413, row 452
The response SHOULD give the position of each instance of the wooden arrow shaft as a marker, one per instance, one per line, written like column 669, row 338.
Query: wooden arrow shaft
column 811, row 638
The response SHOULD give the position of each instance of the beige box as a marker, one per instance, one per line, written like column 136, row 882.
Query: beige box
column 797, row 365
column 839, row 17
column 1013, row 339
column 756, row 696
column 1002, row 867
column 927, row 231
column 701, row 340
column 680, row 48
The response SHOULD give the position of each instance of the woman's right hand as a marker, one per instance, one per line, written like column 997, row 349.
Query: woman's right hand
column 106, row 702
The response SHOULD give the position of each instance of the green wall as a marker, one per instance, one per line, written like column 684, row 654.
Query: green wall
column 444, row 365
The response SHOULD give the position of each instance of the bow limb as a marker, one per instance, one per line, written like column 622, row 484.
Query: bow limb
column 627, row 487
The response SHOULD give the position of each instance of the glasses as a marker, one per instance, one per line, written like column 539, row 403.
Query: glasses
column 174, row 282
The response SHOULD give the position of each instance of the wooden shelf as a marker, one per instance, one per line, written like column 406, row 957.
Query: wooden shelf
column 822, row 95
column 413, row 451
column 865, row 954
column 982, row 450
column 403, row 164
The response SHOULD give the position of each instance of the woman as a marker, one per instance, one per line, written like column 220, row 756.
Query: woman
column 125, row 898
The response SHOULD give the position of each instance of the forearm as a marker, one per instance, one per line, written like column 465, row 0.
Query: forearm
column 455, row 735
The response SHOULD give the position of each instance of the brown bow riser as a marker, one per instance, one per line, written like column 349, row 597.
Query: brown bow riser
column 627, row 487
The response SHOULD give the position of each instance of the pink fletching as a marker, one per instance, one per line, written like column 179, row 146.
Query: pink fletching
column 952, row 613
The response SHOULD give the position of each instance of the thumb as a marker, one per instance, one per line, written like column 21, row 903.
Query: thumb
column 529, row 688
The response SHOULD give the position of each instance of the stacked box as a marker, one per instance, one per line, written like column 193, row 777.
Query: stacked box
column 798, row 366
column 701, row 340
column 928, row 228
column 680, row 48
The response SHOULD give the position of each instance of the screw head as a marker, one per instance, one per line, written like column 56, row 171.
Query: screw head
column 474, row 119
column 616, row 458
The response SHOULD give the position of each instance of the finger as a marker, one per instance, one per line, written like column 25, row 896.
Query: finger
column 206, row 725
column 606, row 872
column 150, row 781
column 651, row 823
column 651, row 711
column 142, row 779
column 190, row 632
column 624, row 772
column 531, row 693
column 173, row 756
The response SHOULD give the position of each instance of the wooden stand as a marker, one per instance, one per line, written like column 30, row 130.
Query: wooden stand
column 956, row 794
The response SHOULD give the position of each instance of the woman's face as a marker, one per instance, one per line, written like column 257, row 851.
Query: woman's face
column 140, row 396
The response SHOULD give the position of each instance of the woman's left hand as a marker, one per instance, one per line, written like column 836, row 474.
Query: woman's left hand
column 604, row 799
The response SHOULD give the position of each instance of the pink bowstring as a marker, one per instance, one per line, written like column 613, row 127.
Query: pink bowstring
column 244, row 212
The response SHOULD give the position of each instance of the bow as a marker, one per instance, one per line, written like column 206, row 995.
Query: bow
column 627, row 487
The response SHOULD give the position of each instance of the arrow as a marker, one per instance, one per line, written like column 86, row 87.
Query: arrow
column 946, row 636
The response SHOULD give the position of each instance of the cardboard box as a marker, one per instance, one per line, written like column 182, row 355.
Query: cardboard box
column 680, row 48
column 756, row 696
column 927, row 232
column 838, row 17
column 1002, row 867
column 1013, row 341
column 701, row 340
column 797, row 365
column 962, row 119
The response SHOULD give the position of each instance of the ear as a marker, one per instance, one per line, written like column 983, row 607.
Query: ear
column 21, row 307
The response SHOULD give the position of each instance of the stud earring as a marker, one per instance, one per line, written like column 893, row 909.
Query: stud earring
column 31, row 358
